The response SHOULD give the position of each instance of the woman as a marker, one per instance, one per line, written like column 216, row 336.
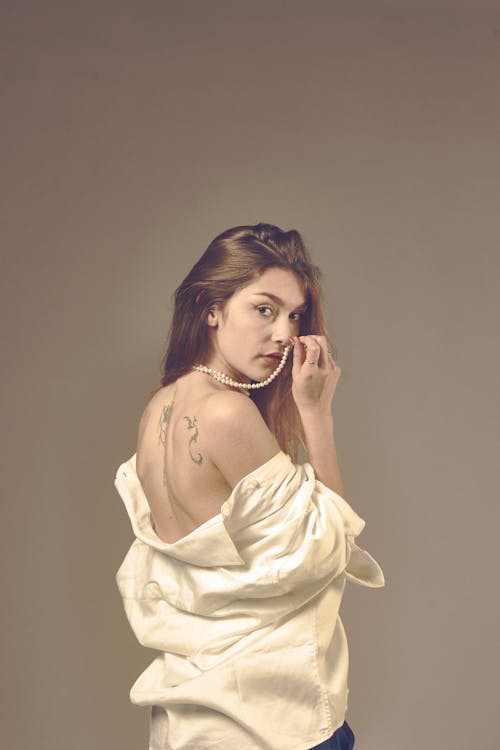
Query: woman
column 242, row 554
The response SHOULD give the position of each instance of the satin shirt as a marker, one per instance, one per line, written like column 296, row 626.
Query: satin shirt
column 244, row 612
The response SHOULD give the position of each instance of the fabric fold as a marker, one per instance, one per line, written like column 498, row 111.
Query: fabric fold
column 217, row 548
column 249, row 597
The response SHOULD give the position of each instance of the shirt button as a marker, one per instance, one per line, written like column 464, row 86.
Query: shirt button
column 254, row 483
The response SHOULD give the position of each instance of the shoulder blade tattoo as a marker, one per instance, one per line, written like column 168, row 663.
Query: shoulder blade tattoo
column 163, row 422
column 162, row 427
column 192, row 422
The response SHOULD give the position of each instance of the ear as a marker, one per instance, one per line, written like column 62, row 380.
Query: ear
column 212, row 318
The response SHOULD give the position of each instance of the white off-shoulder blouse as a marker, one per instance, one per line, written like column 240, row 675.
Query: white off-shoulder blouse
column 244, row 611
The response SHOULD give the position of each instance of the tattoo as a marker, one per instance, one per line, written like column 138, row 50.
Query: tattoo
column 192, row 426
column 164, row 422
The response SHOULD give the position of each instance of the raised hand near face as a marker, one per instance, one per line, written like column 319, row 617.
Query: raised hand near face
column 315, row 373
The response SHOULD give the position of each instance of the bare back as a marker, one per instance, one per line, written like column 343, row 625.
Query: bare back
column 183, row 486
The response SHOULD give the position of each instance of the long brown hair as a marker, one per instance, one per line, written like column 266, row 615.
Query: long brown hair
column 234, row 259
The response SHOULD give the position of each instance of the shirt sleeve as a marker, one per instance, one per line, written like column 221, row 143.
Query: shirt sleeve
column 303, row 530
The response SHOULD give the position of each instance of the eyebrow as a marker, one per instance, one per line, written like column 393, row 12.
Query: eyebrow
column 303, row 306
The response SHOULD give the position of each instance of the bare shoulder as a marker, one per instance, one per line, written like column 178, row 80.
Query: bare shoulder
column 220, row 402
column 240, row 440
column 230, row 410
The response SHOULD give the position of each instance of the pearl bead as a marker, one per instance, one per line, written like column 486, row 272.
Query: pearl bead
column 223, row 378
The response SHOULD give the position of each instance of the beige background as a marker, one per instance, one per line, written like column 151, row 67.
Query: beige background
column 133, row 133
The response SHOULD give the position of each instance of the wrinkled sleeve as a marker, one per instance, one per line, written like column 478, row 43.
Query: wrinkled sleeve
column 302, row 528
column 318, row 542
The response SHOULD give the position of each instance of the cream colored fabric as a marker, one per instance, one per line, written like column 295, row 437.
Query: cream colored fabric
column 245, row 613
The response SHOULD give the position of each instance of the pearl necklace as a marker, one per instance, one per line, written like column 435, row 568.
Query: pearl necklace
column 223, row 378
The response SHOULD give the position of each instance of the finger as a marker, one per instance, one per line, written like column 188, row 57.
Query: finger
column 297, row 356
column 309, row 343
column 313, row 351
column 326, row 358
column 303, row 355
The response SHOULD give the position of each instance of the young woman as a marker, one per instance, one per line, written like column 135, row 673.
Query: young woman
column 242, row 554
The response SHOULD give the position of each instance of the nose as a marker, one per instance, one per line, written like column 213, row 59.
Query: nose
column 284, row 328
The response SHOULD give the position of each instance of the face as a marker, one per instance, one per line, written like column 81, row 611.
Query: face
column 256, row 324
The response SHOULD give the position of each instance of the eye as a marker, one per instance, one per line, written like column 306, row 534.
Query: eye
column 265, row 307
column 301, row 315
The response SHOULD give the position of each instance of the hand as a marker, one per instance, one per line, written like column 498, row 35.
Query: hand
column 313, row 385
